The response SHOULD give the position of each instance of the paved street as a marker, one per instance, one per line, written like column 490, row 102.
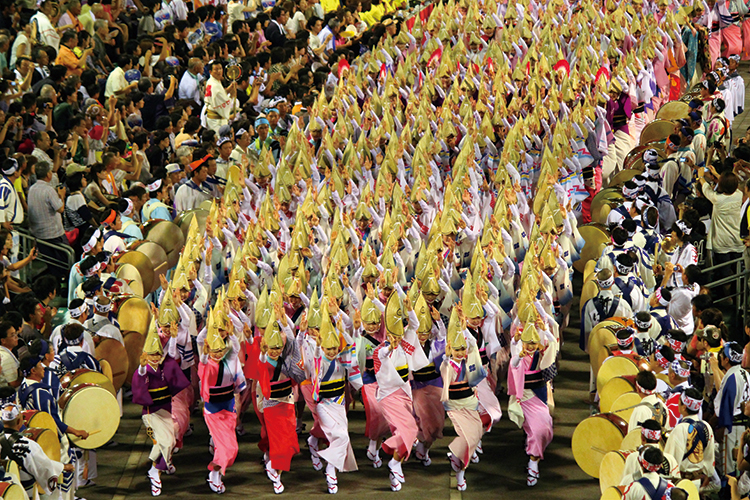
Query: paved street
column 501, row 470
column 500, row 474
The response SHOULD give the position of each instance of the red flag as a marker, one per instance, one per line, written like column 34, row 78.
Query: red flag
column 383, row 71
column 490, row 65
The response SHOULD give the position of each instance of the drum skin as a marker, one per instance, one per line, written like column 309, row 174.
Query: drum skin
column 143, row 264
column 594, row 437
column 39, row 419
column 690, row 488
column 134, row 315
column 11, row 468
column 610, row 472
column 11, row 491
column 596, row 238
column 93, row 409
column 613, row 493
column 185, row 218
column 134, row 346
column 633, row 440
column 132, row 276
column 47, row 439
column 84, row 376
column 624, row 405
column 116, row 355
column 612, row 390
column 614, row 367
column 656, row 131
column 169, row 236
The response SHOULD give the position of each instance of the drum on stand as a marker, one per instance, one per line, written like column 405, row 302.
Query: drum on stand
column 673, row 111
column 93, row 409
column 185, row 219
column 603, row 334
column 156, row 255
column 143, row 264
column 115, row 355
column 594, row 437
column 610, row 471
column 83, row 376
column 12, row 491
column 132, row 276
column 47, row 439
column 602, row 204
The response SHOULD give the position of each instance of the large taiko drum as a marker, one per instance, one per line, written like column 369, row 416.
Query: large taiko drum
column 633, row 440
column 84, row 376
column 594, row 437
column 690, row 488
column 617, row 366
column 10, row 468
column 625, row 404
column 134, row 346
column 93, row 409
column 169, row 236
column 11, row 491
column 656, row 131
column 115, row 354
column 603, row 334
column 612, row 390
column 610, row 471
column 39, row 419
column 613, row 493
column 47, row 439
column 133, row 314
column 596, row 238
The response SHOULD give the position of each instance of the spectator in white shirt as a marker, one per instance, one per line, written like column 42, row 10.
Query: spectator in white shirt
column 117, row 85
column 327, row 35
column 190, row 84
column 11, row 210
column 297, row 20
column 8, row 361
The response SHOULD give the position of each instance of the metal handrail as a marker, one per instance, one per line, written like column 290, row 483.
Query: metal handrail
column 27, row 242
column 740, row 279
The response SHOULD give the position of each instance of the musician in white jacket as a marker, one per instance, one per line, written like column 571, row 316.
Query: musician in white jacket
column 33, row 464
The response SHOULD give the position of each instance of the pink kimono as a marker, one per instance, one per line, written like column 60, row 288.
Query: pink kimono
column 527, row 386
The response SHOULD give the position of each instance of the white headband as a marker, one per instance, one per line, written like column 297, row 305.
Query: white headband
column 92, row 241
column 683, row 227
column 78, row 311
column 9, row 412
